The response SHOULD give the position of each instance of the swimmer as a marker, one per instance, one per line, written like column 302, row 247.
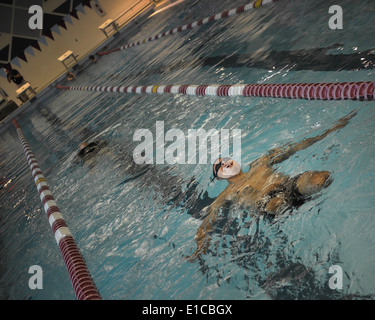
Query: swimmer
column 15, row 76
column 88, row 151
column 262, row 189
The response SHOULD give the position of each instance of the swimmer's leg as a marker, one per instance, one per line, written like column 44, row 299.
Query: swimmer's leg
column 311, row 182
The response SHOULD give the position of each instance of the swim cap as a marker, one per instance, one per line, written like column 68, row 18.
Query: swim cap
column 226, row 168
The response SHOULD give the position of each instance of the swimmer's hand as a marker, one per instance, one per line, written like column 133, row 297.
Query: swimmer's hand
column 341, row 123
column 197, row 253
column 192, row 258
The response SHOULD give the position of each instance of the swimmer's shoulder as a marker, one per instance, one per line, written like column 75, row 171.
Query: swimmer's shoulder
column 264, row 160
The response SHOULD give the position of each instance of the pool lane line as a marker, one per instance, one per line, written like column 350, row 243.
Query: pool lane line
column 79, row 274
column 361, row 91
column 198, row 23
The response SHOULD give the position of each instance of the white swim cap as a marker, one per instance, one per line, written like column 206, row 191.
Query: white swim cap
column 226, row 168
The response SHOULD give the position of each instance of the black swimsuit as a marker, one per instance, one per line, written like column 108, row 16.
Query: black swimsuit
column 290, row 193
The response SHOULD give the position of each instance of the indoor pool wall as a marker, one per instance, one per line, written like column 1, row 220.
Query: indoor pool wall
column 134, row 228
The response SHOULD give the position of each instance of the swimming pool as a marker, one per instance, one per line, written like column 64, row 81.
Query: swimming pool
column 134, row 226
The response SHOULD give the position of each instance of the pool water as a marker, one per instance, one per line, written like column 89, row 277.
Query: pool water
column 135, row 224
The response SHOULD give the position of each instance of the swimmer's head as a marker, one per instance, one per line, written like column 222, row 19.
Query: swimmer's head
column 226, row 168
column 83, row 145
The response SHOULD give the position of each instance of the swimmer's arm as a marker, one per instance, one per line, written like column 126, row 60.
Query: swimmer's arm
column 281, row 154
column 202, row 236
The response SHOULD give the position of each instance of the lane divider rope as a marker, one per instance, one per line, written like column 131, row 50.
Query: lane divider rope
column 219, row 16
column 79, row 274
column 311, row 91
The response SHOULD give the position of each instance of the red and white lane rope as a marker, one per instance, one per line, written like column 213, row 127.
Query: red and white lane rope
column 219, row 16
column 80, row 277
column 310, row 91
